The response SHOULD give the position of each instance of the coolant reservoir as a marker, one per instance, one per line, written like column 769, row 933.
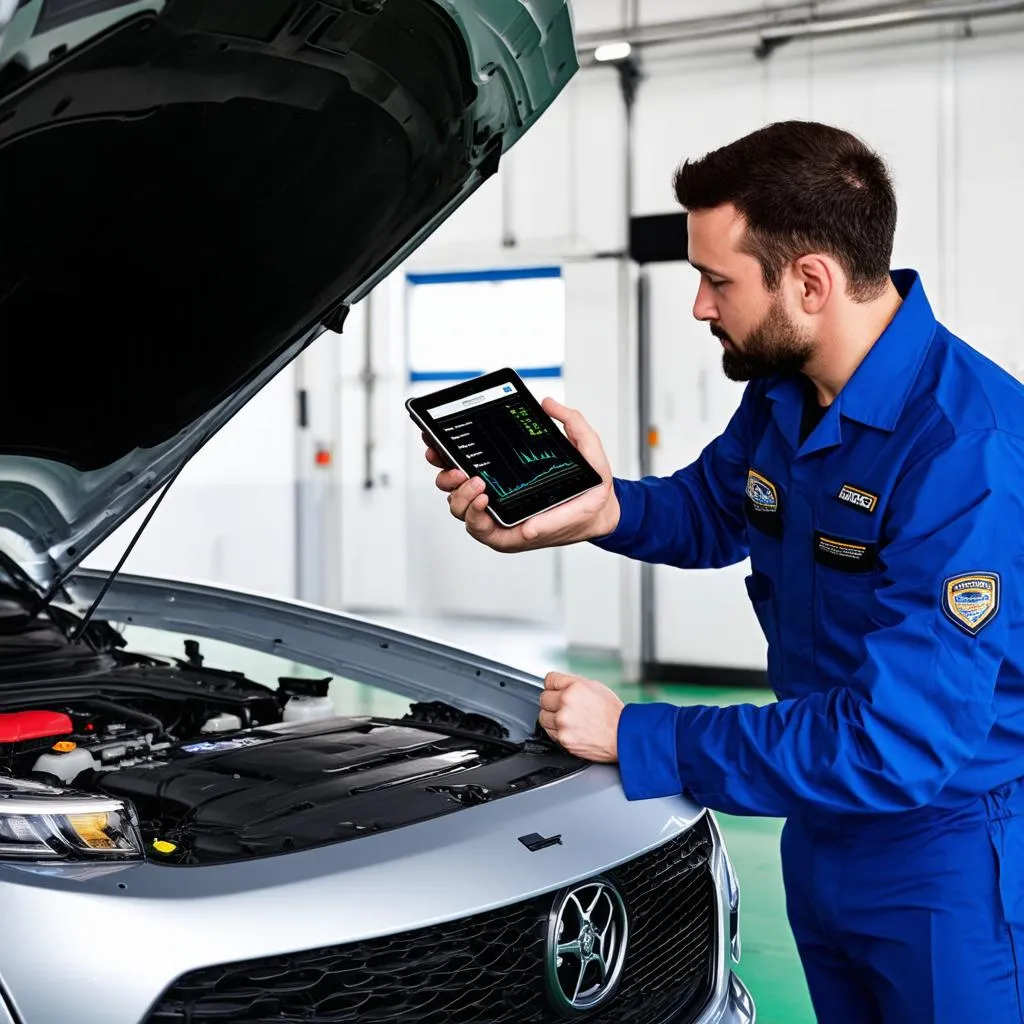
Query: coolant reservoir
column 65, row 765
column 222, row 723
column 308, row 709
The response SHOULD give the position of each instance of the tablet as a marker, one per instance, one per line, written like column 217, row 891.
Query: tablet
column 492, row 427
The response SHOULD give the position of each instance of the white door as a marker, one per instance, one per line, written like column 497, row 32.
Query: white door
column 460, row 325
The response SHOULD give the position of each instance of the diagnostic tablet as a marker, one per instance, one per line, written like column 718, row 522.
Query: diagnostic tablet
column 492, row 427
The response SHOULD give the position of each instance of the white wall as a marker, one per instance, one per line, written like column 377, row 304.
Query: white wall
column 230, row 516
column 353, row 511
column 601, row 592
column 932, row 102
column 938, row 106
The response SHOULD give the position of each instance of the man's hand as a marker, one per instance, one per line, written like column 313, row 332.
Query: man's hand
column 591, row 515
column 582, row 716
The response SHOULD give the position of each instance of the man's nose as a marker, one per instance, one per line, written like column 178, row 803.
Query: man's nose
column 704, row 306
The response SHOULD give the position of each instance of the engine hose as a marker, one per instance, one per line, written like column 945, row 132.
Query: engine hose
column 139, row 716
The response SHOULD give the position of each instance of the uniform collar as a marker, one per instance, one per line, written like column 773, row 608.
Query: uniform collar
column 879, row 388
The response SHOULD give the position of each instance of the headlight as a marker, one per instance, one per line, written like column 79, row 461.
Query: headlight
column 65, row 828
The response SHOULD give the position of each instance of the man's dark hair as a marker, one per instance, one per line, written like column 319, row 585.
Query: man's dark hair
column 802, row 187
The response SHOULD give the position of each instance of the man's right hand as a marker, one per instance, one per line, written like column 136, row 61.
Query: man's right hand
column 587, row 517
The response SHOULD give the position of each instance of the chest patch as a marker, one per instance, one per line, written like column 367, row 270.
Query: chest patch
column 971, row 601
column 858, row 498
column 844, row 555
column 763, row 494
column 763, row 504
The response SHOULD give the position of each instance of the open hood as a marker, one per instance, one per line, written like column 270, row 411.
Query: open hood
column 191, row 191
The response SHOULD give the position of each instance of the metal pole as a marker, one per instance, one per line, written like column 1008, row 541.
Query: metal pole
column 775, row 28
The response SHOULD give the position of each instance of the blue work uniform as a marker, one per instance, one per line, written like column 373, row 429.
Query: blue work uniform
column 886, row 550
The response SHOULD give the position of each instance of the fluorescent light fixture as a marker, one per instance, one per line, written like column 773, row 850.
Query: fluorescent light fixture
column 613, row 51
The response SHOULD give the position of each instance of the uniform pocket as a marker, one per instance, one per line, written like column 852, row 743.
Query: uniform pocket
column 759, row 590
column 1006, row 832
column 845, row 555
column 846, row 576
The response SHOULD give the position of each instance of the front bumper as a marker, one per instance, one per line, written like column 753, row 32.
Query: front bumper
column 737, row 1007
column 193, row 917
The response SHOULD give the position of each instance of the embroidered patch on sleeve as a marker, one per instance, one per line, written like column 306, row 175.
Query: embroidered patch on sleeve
column 971, row 600
column 858, row 498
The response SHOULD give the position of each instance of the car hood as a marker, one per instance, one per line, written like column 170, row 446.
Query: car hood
column 191, row 191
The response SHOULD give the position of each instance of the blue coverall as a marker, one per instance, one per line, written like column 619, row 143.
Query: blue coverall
column 886, row 553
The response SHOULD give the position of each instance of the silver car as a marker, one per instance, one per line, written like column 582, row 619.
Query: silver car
column 216, row 807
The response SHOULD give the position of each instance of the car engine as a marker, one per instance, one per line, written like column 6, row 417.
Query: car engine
column 219, row 768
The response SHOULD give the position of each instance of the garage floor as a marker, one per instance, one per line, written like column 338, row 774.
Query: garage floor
column 770, row 966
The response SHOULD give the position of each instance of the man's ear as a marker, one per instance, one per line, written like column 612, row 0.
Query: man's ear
column 817, row 279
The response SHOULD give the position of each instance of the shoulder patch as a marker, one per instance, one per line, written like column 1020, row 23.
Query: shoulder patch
column 858, row 498
column 972, row 600
column 762, row 492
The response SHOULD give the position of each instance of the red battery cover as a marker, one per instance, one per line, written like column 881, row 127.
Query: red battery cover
column 33, row 725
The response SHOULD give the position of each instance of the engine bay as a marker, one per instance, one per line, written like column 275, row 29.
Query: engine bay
column 219, row 768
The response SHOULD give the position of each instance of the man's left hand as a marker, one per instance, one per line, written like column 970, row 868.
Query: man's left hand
column 582, row 716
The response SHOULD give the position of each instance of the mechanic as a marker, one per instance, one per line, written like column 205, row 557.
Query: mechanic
column 874, row 475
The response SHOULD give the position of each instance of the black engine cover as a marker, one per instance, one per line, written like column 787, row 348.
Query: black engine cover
column 291, row 787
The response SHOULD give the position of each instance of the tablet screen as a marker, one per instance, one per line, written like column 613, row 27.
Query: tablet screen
column 494, row 428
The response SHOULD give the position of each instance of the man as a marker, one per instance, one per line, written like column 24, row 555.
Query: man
column 874, row 474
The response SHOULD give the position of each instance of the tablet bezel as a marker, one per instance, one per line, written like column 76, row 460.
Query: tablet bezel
column 417, row 409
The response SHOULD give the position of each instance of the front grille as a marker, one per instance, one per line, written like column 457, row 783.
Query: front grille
column 485, row 969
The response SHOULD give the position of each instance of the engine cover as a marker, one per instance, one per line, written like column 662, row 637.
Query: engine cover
column 295, row 786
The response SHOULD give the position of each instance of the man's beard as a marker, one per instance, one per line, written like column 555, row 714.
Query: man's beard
column 776, row 346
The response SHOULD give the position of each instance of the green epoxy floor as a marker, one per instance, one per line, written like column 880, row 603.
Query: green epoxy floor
column 769, row 964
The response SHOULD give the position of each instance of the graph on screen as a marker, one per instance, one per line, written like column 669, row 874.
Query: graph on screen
column 513, row 450
column 527, row 458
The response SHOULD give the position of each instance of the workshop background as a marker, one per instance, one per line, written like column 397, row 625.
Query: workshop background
column 570, row 267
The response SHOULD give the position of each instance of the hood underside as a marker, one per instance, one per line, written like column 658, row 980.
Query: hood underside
column 192, row 191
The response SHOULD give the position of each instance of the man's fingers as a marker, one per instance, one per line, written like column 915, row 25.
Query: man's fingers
column 465, row 495
column 572, row 419
column 547, row 723
column 551, row 526
column 556, row 410
column 583, row 436
column 434, row 458
column 558, row 681
column 450, row 480
column 551, row 700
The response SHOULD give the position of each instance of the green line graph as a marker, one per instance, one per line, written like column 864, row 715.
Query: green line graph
column 545, row 476
column 526, row 458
